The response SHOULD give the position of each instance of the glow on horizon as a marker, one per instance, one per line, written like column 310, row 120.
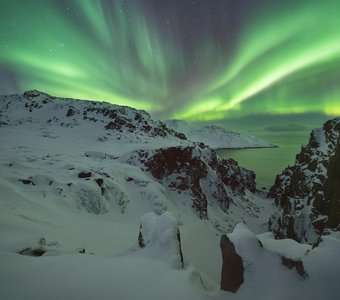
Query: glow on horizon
column 285, row 59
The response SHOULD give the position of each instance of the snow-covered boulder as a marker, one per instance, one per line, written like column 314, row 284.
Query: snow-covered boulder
column 307, row 194
column 267, row 268
column 160, row 236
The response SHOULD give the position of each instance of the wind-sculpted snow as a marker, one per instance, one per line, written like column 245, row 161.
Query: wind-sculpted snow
column 266, row 268
column 159, row 237
column 307, row 194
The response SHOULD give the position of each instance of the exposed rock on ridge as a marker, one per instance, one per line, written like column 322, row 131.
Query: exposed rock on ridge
column 196, row 170
column 307, row 194
column 43, row 108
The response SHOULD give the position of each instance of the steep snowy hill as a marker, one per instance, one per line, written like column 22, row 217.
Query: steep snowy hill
column 217, row 137
column 307, row 194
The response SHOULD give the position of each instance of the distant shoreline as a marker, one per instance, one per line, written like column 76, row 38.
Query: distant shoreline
column 243, row 148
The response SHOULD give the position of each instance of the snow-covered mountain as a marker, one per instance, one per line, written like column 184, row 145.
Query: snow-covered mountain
column 101, row 158
column 217, row 137
column 99, row 201
column 307, row 194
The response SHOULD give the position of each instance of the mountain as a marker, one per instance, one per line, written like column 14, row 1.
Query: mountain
column 307, row 194
column 217, row 137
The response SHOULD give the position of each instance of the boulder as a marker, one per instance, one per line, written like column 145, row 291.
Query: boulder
column 160, row 237
column 85, row 174
column 232, row 267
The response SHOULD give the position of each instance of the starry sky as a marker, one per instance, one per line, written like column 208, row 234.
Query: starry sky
column 196, row 60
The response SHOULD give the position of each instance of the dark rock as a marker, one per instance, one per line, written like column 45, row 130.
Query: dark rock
column 32, row 252
column 177, row 160
column 232, row 267
column 294, row 264
column 138, row 117
column 185, row 168
column 178, row 235
column 32, row 94
column 26, row 181
column 307, row 194
column 141, row 243
column 85, row 174
column 70, row 112
column 99, row 181
column 331, row 205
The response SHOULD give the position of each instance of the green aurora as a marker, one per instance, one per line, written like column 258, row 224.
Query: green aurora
column 200, row 60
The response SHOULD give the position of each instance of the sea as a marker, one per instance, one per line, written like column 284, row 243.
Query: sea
column 269, row 162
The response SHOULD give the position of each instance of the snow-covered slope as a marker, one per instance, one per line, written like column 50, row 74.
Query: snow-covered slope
column 78, row 179
column 92, row 156
column 217, row 137
column 307, row 194
column 72, row 177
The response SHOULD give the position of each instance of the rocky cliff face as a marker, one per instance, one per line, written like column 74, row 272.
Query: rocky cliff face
column 197, row 171
column 307, row 194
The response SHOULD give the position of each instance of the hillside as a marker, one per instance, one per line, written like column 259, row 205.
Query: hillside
column 102, row 201
column 217, row 137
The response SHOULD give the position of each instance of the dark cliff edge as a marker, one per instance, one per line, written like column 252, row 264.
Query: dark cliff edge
column 307, row 194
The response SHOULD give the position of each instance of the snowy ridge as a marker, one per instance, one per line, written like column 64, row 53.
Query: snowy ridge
column 88, row 156
column 217, row 137
column 303, row 192
column 126, row 123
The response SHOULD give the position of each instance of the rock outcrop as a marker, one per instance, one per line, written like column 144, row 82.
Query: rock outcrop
column 307, row 194
column 232, row 267
column 245, row 260
column 197, row 171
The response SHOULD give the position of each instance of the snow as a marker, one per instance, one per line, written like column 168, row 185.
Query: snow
column 64, row 214
column 217, row 137
column 159, row 238
column 266, row 278
column 287, row 247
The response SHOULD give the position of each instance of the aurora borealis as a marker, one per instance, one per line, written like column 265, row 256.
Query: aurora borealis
column 197, row 60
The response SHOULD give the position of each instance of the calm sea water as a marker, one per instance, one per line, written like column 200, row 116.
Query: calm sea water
column 269, row 162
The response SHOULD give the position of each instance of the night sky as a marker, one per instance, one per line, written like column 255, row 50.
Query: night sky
column 197, row 60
